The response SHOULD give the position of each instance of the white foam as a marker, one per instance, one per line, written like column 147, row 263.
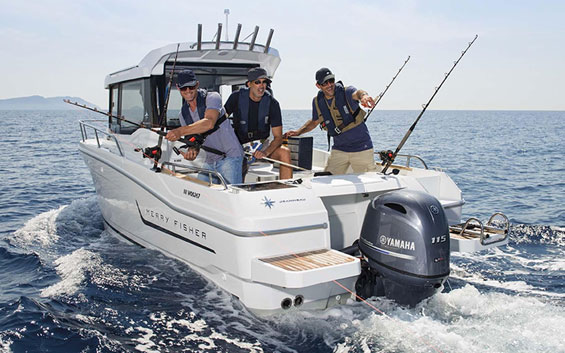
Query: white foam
column 463, row 320
column 146, row 344
column 5, row 344
column 200, row 333
column 41, row 229
column 74, row 268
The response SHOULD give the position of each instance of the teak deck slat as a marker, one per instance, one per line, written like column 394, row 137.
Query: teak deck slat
column 308, row 260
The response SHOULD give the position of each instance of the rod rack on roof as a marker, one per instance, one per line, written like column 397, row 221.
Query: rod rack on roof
column 235, row 42
column 236, row 39
column 218, row 36
column 268, row 44
column 199, row 46
column 252, row 44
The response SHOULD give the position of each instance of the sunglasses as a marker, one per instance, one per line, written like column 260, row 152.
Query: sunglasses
column 327, row 82
column 260, row 82
column 192, row 88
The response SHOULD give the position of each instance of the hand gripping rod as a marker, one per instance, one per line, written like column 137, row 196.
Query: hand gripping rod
column 425, row 106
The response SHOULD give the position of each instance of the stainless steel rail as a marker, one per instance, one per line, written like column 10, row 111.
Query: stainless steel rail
column 194, row 170
column 84, row 124
column 409, row 157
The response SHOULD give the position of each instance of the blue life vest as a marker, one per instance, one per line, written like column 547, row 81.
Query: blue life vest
column 331, row 122
column 241, row 118
column 200, row 105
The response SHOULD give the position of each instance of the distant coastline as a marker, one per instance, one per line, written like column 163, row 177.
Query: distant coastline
column 41, row 103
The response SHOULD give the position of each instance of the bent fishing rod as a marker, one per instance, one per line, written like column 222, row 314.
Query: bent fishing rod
column 391, row 156
column 380, row 96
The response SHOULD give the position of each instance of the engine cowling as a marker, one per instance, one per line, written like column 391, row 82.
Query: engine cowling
column 405, row 240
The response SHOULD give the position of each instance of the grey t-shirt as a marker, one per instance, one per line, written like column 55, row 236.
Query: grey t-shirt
column 224, row 138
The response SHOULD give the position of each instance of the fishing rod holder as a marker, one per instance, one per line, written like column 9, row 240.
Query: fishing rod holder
column 218, row 44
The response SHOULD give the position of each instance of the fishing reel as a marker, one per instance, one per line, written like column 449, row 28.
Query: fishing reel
column 250, row 148
column 386, row 156
column 152, row 152
column 190, row 141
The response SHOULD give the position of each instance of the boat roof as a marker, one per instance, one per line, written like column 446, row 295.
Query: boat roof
column 198, row 54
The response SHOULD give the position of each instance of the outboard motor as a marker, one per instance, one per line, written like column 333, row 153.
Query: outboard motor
column 405, row 239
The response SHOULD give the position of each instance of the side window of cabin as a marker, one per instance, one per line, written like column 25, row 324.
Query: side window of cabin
column 173, row 109
column 132, row 107
column 114, row 123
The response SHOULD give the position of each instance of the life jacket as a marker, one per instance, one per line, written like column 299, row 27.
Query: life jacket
column 198, row 139
column 241, row 117
column 339, row 117
column 200, row 105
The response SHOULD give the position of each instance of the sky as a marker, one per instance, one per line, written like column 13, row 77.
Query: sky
column 66, row 48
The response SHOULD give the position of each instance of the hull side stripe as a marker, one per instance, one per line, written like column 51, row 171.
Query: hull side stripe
column 121, row 234
column 166, row 231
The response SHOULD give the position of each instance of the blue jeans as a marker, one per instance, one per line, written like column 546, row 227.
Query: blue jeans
column 228, row 167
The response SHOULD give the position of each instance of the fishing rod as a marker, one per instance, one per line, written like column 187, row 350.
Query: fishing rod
column 188, row 140
column 380, row 96
column 280, row 162
column 390, row 156
column 112, row 116
column 163, row 117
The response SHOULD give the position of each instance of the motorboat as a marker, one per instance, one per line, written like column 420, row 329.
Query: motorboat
column 306, row 243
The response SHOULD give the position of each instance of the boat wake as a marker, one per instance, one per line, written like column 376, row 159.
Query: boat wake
column 93, row 290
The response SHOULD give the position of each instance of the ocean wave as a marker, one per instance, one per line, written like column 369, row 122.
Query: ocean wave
column 83, row 267
column 540, row 234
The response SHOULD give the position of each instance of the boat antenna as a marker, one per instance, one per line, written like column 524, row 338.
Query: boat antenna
column 390, row 156
column 380, row 96
column 163, row 117
column 227, row 12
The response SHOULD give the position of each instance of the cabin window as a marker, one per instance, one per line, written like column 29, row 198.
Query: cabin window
column 132, row 104
column 114, row 123
column 174, row 107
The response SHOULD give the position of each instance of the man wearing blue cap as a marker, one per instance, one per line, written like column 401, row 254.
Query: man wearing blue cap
column 201, row 112
column 257, row 114
column 337, row 109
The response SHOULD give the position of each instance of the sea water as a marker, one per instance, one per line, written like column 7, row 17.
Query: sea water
column 68, row 286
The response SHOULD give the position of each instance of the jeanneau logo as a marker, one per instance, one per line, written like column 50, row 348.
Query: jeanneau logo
column 268, row 202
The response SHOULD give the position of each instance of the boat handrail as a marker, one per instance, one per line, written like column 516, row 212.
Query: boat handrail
column 409, row 157
column 109, row 136
column 192, row 169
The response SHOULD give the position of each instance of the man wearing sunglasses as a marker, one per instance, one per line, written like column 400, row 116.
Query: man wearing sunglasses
column 257, row 114
column 336, row 108
column 201, row 113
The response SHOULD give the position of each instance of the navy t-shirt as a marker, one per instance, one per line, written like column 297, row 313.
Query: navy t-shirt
column 275, row 116
column 354, row 140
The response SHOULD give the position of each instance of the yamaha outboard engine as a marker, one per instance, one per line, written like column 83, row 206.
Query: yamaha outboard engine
column 405, row 239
